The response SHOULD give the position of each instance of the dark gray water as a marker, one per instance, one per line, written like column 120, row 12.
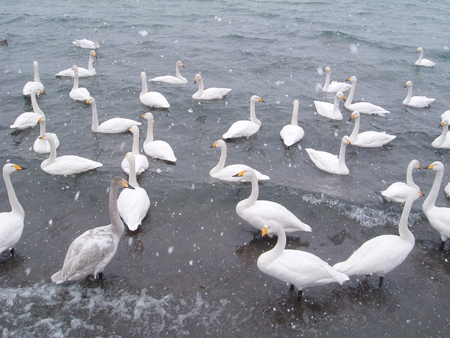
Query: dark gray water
column 191, row 268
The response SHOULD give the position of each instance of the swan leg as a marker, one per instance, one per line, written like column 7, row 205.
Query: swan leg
column 12, row 251
column 100, row 276
column 291, row 288
column 299, row 296
column 380, row 284
column 441, row 247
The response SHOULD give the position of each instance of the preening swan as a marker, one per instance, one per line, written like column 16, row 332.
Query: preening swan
column 362, row 107
column 367, row 139
column 439, row 217
column 33, row 84
column 209, row 93
column 292, row 133
column 258, row 212
column 82, row 72
column 40, row 145
column 111, row 126
column 334, row 86
column 157, row 149
column 169, row 79
column 78, row 93
column 382, row 254
column 329, row 162
column 228, row 173
column 11, row 223
column 330, row 110
column 245, row 128
column 298, row 268
column 443, row 140
column 65, row 165
column 84, row 43
column 91, row 252
column 29, row 119
column 133, row 204
column 416, row 101
column 141, row 161
column 399, row 191
column 151, row 99
column 421, row 61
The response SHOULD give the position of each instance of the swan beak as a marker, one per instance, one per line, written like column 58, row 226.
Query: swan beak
column 260, row 99
column 421, row 195
column 42, row 137
column 240, row 174
column 95, row 54
column 88, row 101
column 343, row 98
column 417, row 51
column 348, row 141
column 442, row 124
column 195, row 81
column 349, row 79
column 407, row 85
column 264, row 231
column 129, row 129
column 351, row 117
column 419, row 167
column 431, row 166
column 40, row 120
column 182, row 65
column 18, row 167
column 126, row 185
column 214, row 145
column 41, row 91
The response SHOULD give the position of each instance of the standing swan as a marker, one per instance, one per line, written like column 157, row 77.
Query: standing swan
column 334, row 86
column 329, row 162
column 382, row 254
column 169, row 79
column 91, row 252
column 42, row 146
column 88, row 44
column 258, row 212
column 82, row 72
column 367, row 139
column 245, row 128
column 439, row 217
column 78, row 93
column 29, row 119
column 30, row 85
column 11, row 223
column 151, row 99
column 141, row 161
column 65, row 165
column 228, row 173
column 157, row 149
column 133, row 204
column 292, row 133
column 399, row 191
column 416, row 101
column 298, row 268
column 421, row 61
column 362, row 107
column 330, row 110
column 209, row 93
column 443, row 140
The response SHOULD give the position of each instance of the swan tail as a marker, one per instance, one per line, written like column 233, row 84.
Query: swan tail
column 337, row 275
column 58, row 277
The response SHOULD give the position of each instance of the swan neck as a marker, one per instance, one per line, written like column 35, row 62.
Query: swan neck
column 135, row 148
column 94, row 116
column 132, row 176
column 255, row 191
column 36, row 73
column 149, row 131
column 221, row 164
column 42, row 129
column 327, row 81
column 441, row 139
column 91, row 63
column 75, row 80
column 35, row 105
column 409, row 95
column 200, row 88
column 420, row 56
column 355, row 131
column 177, row 72
column 253, row 113
column 403, row 229
column 116, row 222
column 409, row 178
column 277, row 251
column 13, row 201
column 294, row 120
column 144, row 85
column 342, row 155
column 350, row 96
column 52, row 156
column 432, row 196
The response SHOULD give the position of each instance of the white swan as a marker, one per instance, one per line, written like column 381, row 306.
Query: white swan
column 258, row 212
column 334, row 86
column 169, row 79
column 399, row 191
column 151, row 99
column 133, row 204
column 228, row 173
column 329, row 162
column 416, row 101
column 382, row 254
column 88, row 44
column 11, row 223
column 445, row 115
column 367, row 139
column 78, row 93
column 91, row 252
column 33, row 84
column 245, row 128
column 141, row 161
column 42, row 146
column 330, row 110
column 29, row 119
column 157, row 149
column 111, row 126
column 292, row 133
column 65, row 165
column 362, row 107
column 443, row 140
column 439, row 217
column 82, row 72
column 447, row 189
column 421, row 61
column 298, row 268
column 209, row 93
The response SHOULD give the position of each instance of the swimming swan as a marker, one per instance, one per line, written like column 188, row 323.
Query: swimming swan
column 78, row 93
column 91, row 252
column 228, row 173
column 88, row 44
column 334, row 86
column 382, row 254
column 133, row 204
column 362, row 107
column 399, row 191
column 367, row 139
column 421, row 61
column 245, row 128
column 11, row 223
column 329, row 162
column 169, row 79
column 443, row 140
column 258, row 212
column 416, row 101
column 65, row 165
column 111, row 126
column 141, row 161
column 82, row 72
column 209, row 93
column 33, row 84
column 292, row 133
column 330, row 110
column 157, row 149
column 29, row 119
column 41, row 146
column 151, row 99
column 298, row 268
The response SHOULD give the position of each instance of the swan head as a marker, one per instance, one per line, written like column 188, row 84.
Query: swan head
column 91, row 100
column 9, row 168
column 75, row 68
column 48, row 136
column 246, row 173
column 198, row 78
column 408, row 84
column 219, row 144
column 345, row 140
column 420, row 49
column 256, row 98
column 415, row 164
column 352, row 79
column 179, row 63
column 355, row 115
column 123, row 182
column 436, row 166
column 148, row 116
column 93, row 53
column 42, row 119
column 134, row 129
column 327, row 69
column 340, row 95
column 130, row 157
column 37, row 91
column 443, row 123
column 270, row 227
column 35, row 63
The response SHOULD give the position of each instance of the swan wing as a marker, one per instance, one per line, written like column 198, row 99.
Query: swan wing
column 11, row 228
column 154, row 99
column 326, row 109
column 169, row 79
column 160, row 149
column 30, row 85
column 80, row 94
column 26, row 120
column 335, row 87
column 397, row 192
column 133, row 205
column 291, row 134
column 242, row 128
column 117, row 125
column 372, row 139
column 367, row 108
column 69, row 165
column 141, row 165
column 228, row 174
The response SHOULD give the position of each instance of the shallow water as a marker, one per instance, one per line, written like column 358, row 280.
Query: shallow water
column 191, row 268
